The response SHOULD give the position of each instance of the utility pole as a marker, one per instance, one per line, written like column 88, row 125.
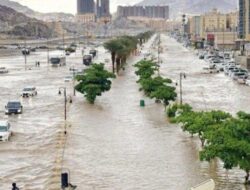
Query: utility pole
column 65, row 101
column 159, row 43
column 63, row 43
column 182, row 75
column 48, row 51
column 74, row 90
column 25, row 53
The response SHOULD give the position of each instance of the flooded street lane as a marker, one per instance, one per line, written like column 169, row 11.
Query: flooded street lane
column 29, row 158
column 114, row 144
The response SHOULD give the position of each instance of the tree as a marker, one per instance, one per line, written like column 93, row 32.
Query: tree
column 176, row 110
column 143, row 37
column 165, row 94
column 145, row 69
column 149, row 85
column 201, row 122
column 230, row 142
column 120, row 49
column 113, row 46
column 94, row 82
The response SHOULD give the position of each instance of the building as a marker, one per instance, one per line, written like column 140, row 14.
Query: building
column 195, row 23
column 102, row 8
column 85, row 11
column 242, row 19
column 153, row 12
column 216, row 28
column 85, row 6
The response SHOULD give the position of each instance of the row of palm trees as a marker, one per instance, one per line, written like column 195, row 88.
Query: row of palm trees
column 124, row 46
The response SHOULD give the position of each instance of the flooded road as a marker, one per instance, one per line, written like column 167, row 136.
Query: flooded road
column 114, row 144
column 117, row 145
column 30, row 158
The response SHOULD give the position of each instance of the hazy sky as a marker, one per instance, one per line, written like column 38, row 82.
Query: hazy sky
column 66, row 5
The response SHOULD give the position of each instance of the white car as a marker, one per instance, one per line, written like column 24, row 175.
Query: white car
column 210, row 70
column 5, row 132
column 241, row 79
column 247, row 82
column 68, row 79
column 29, row 91
column 3, row 70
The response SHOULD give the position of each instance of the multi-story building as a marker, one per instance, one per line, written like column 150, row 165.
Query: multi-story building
column 217, row 28
column 195, row 23
column 102, row 9
column 85, row 11
column 242, row 19
column 161, row 12
column 85, row 6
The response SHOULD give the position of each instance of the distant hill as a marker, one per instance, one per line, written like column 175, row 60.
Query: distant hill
column 17, row 24
column 207, row 5
column 193, row 6
column 40, row 16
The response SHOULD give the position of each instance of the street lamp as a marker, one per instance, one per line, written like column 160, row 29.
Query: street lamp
column 74, row 75
column 182, row 75
column 65, row 100
column 158, row 52
column 25, row 53
column 48, row 57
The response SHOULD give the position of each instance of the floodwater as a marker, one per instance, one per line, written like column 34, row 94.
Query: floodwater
column 114, row 144
column 117, row 145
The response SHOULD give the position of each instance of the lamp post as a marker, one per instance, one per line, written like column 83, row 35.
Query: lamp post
column 158, row 52
column 182, row 75
column 74, row 75
column 65, row 100
column 48, row 57
column 25, row 53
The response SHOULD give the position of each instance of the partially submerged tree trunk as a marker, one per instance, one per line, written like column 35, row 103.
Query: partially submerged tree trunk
column 113, row 61
column 118, row 64
column 247, row 177
column 202, row 140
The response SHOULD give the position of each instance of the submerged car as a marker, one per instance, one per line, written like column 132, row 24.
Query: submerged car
column 5, row 132
column 3, row 70
column 13, row 107
column 29, row 91
column 68, row 79
column 87, row 60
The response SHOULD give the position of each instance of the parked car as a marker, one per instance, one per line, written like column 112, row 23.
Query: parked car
column 93, row 52
column 228, row 69
column 3, row 70
column 5, row 132
column 210, row 70
column 29, row 91
column 25, row 51
column 58, row 61
column 236, row 75
column 68, row 79
column 247, row 82
column 241, row 80
column 220, row 67
column 13, row 107
column 87, row 60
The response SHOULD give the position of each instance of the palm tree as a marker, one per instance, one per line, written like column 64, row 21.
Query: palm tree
column 113, row 46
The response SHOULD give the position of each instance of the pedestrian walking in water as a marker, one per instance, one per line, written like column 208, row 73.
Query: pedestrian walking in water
column 14, row 187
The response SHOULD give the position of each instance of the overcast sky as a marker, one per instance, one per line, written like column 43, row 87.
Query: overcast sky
column 66, row 5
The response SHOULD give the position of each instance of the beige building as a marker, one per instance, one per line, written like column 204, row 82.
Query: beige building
column 215, row 27
column 86, row 18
